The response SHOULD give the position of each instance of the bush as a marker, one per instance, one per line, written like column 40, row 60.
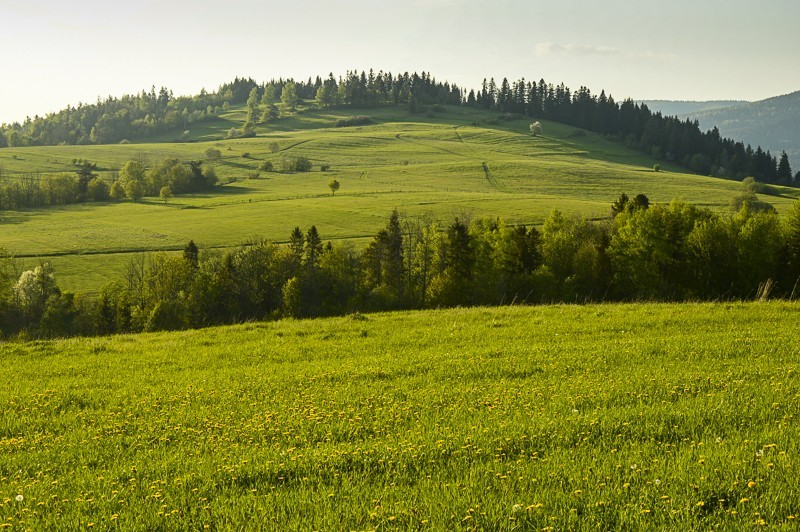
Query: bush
column 266, row 166
column 296, row 163
column 324, row 167
column 98, row 189
column 359, row 120
column 213, row 154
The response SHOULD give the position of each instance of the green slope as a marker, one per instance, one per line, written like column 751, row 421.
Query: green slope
column 461, row 162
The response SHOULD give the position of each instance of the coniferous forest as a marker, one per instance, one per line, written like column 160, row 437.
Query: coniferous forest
column 664, row 138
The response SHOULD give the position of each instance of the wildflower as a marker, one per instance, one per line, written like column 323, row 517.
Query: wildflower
column 751, row 484
column 516, row 508
column 657, row 482
column 20, row 498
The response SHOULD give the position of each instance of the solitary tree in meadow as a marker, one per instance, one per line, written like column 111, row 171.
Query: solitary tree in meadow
column 334, row 186
column 213, row 154
column 536, row 129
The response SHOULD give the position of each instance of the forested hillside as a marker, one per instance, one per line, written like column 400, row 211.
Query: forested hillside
column 772, row 123
column 664, row 138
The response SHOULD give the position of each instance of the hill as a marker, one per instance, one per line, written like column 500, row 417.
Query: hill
column 454, row 162
column 685, row 108
column 607, row 417
column 773, row 124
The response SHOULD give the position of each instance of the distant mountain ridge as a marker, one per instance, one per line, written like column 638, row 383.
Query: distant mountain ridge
column 773, row 124
column 685, row 108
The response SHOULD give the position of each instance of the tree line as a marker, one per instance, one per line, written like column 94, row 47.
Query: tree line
column 133, row 181
column 663, row 252
column 113, row 120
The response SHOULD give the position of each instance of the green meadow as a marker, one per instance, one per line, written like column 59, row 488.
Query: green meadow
column 610, row 417
column 460, row 162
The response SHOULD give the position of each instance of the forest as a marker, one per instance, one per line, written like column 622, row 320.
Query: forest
column 664, row 138
column 643, row 252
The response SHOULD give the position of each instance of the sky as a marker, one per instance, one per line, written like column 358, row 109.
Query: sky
column 56, row 53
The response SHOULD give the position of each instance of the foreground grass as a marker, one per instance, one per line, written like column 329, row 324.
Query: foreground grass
column 610, row 416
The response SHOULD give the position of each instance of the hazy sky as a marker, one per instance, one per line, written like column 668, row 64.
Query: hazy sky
column 55, row 53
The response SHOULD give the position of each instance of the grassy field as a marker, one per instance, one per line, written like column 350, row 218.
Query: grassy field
column 610, row 417
column 460, row 162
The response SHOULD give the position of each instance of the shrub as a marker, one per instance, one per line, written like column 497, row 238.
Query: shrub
column 324, row 167
column 296, row 163
column 266, row 166
column 213, row 154
column 359, row 120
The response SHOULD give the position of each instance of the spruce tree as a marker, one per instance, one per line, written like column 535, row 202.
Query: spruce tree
column 784, row 171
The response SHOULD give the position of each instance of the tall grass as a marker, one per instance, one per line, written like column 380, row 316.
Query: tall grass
column 597, row 417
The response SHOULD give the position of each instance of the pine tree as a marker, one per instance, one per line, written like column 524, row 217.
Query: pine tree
column 191, row 253
column 784, row 176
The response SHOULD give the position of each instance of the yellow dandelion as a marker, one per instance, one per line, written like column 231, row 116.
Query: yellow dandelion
column 700, row 504
column 751, row 484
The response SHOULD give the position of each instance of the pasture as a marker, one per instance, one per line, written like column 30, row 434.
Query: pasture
column 461, row 162
column 606, row 417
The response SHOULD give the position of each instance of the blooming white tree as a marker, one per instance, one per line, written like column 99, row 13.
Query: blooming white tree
column 34, row 288
column 536, row 129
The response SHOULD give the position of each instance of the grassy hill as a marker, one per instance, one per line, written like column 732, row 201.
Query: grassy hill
column 607, row 417
column 457, row 162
